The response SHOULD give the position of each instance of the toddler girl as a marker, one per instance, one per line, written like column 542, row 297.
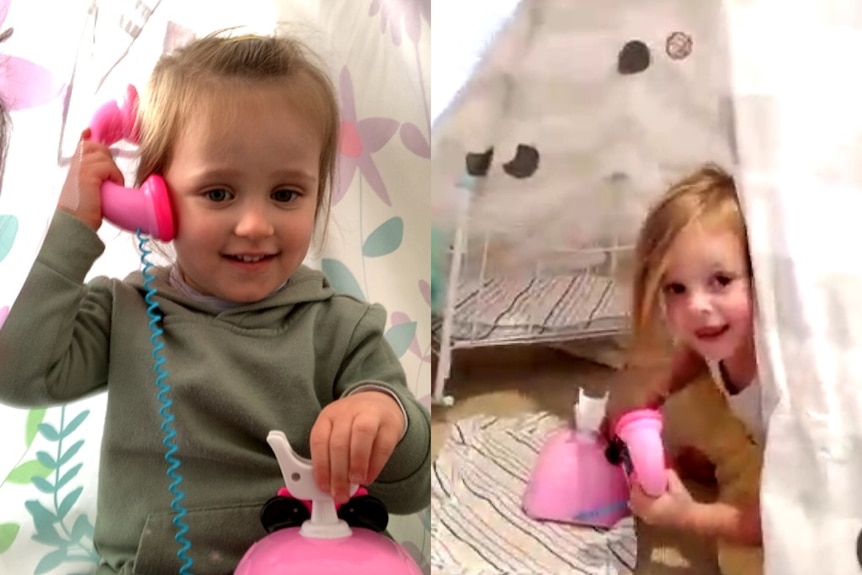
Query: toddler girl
column 244, row 131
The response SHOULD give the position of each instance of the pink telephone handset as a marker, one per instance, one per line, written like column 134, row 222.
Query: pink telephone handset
column 640, row 431
column 147, row 208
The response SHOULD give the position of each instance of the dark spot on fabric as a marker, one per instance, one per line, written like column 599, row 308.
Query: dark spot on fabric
column 678, row 46
column 633, row 58
column 479, row 164
column 524, row 164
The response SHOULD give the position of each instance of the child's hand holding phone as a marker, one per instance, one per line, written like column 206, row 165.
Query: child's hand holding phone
column 81, row 194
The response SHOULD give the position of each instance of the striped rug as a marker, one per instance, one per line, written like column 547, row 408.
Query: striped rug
column 477, row 524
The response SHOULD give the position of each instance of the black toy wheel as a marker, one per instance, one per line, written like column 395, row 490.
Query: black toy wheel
column 282, row 512
column 365, row 511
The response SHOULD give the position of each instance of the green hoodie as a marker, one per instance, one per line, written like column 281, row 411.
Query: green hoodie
column 234, row 375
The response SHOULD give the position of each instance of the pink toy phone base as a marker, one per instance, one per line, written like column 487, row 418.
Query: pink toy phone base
column 573, row 482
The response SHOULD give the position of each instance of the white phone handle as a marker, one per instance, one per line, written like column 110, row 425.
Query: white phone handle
column 299, row 480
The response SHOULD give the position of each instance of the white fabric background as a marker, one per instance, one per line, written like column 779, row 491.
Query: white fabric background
column 799, row 135
column 468, row 26
column 378, row 245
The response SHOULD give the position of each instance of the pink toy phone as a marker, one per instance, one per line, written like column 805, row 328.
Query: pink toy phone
column 573, row 482
column 147, row 208
column 643, row 453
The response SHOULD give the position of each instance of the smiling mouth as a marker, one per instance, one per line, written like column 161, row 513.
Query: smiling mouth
column 249, row 259
column 711, row 332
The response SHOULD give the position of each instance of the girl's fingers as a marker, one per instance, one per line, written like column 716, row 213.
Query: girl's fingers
column 319, row 446
column 384, row 445
column 365, row 428
column 116, row 175
column 339, row 454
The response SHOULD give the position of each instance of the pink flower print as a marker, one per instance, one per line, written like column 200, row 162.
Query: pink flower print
column 359, row 139
column 398, row 318
column 395, row 12
column 24, row 84
column 425, row 290
column 410, row 13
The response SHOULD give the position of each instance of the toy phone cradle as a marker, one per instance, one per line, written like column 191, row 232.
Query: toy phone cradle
column 147, row 208
column 582, row 478
column 324, row 543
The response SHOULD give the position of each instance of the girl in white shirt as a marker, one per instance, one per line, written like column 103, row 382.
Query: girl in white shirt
column 693, row 301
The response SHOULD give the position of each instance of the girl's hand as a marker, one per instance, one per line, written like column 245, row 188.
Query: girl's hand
column 81, row 195
column 353, row 439
column 672, row 509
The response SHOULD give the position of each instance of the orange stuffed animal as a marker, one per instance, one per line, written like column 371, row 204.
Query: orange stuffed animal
column 699, row 413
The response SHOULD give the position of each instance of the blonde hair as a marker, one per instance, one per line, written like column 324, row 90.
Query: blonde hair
column 707, row 197
column 206, row 72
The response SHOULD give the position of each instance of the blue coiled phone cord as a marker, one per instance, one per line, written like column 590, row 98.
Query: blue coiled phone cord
column 167, row 418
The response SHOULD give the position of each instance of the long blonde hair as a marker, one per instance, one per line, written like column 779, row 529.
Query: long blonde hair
column 706, row 197
column 206, row 72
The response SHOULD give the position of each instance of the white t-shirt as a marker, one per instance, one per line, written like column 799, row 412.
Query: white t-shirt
column 745, row 404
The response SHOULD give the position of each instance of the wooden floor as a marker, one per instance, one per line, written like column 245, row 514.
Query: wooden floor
column 510, row 381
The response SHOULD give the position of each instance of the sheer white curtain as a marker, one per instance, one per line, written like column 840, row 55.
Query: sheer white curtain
column 799, row 134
